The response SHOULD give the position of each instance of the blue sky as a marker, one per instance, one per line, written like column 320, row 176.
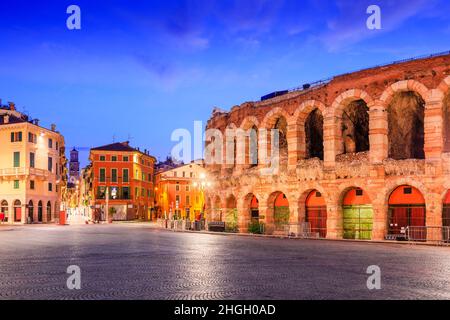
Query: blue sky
column 141, row 69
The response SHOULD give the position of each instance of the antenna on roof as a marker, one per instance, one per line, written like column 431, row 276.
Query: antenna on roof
column 114, row 138
column 129, row 137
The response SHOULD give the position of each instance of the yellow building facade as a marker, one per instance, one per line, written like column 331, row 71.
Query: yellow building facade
column 32, row 169
column 180, row 192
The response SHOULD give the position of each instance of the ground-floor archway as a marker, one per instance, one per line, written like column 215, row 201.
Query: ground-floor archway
column 49, row 211
column 17, row 211
column 357, row 215
column 4, row 210
column 231, row 216
column 30, row 211
column 40, row 211
column 407, row 209
column 316, row 213
column 446, row 211
column 281, row 212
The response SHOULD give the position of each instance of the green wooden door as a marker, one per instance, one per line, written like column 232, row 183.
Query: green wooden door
column 358, row 222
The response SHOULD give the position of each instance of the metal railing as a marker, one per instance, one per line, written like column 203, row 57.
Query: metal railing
column 431, row 234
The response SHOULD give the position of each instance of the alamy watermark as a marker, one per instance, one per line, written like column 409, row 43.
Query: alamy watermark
column 234, row 146
column 74, row 280
column 73, row 22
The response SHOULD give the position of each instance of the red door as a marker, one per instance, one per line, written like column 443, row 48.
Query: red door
column 18, row 214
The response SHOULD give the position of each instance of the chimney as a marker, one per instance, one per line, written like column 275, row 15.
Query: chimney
column 53, row 127
column 12, row 106
column 126, row 143
column 36, row 121
column 6, row 119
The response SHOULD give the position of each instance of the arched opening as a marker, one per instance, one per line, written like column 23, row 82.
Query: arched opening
column 314, row 135
column 446, row 211
column 446, row 218
column 4, row 211
column 254, row 209
column 231, row 216
column 357, row 215
column 49, row 211
column 355, row 127
column 251, row 214
column 30, row 211
column 281, row 211
column 40, row 211
column 17, row 211
column 251, row 148
column 282, row 144
column 406, row 114
column 446, row 124
column 316, row 213
column 407, row 209
column 217, row 209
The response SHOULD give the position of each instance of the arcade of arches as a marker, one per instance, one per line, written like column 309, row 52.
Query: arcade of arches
column 33, row 212
column 364, row 156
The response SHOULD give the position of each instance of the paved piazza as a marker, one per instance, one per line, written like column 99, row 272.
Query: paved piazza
column 139, row 262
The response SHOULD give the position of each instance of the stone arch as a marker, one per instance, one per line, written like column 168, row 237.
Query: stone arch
column 394, row 184
column 407, row 208
column 231, row 214
column 309, row 119
column 248, row 133
column 357, row 214
column 272, row 116
column 406, row 127
column 278, row 212
column 231, row 145
column 4, row 210
column 351, row 119
column 403, row 86
column 313, row 210
column 251, row 211
column 279, row 119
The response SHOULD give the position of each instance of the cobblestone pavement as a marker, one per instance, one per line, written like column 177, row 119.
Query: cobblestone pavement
column 137, row 262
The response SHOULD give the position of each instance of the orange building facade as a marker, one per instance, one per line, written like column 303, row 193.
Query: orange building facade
column 180, row 192
column 122, row 183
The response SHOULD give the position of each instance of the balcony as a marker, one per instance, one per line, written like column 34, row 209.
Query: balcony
column 24, row 172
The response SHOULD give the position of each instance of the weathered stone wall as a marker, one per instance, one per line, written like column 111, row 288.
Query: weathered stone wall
column 381, row 89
